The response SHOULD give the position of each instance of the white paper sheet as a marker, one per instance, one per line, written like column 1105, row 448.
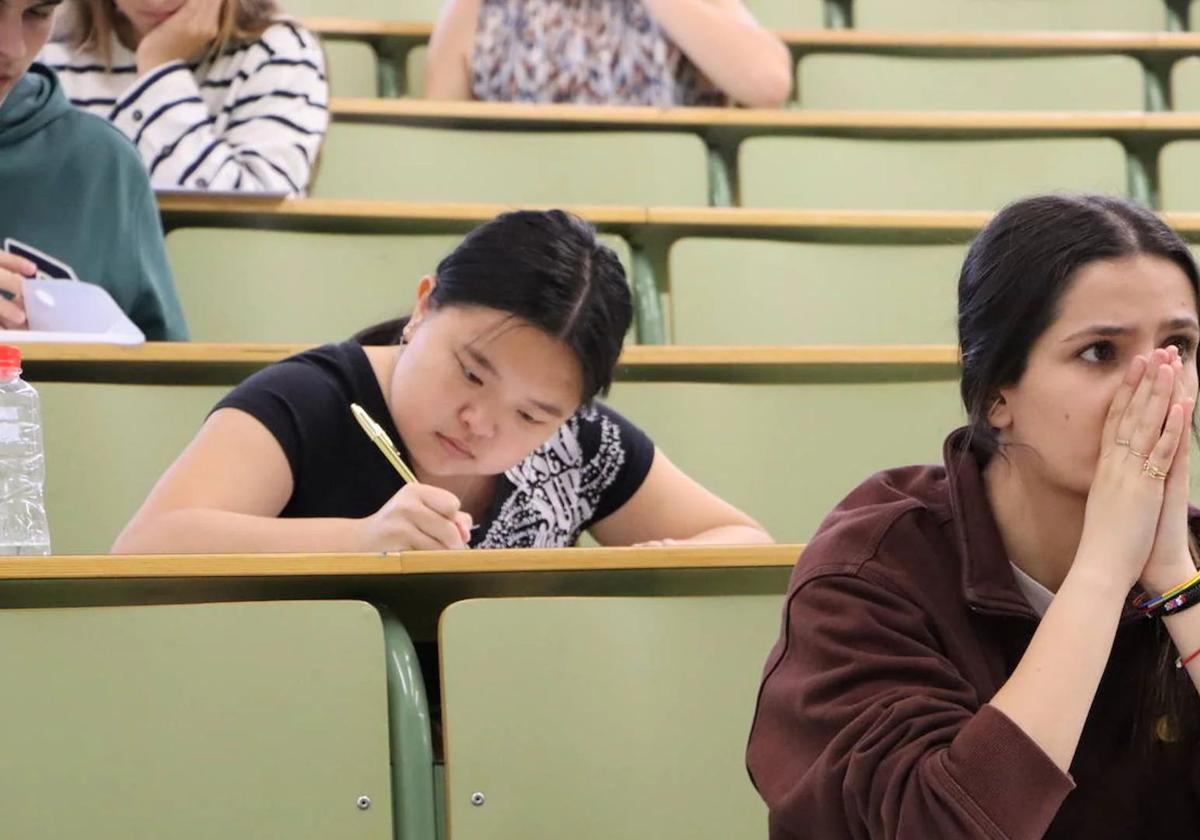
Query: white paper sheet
column 73, row 312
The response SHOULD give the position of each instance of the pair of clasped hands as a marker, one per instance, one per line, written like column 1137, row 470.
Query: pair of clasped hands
column 1136, row 521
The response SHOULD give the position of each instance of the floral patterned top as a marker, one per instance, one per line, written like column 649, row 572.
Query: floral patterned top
column 586, row 52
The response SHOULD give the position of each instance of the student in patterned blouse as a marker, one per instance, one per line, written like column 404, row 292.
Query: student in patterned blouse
column 606, row 52
column 487, row 388
column 215, row 94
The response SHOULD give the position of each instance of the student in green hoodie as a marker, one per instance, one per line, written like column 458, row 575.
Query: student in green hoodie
column 76, row 201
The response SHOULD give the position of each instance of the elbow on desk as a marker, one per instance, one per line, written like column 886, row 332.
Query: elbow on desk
column 131, row 540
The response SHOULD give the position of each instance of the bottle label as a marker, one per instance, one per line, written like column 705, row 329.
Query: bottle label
column 10, row 425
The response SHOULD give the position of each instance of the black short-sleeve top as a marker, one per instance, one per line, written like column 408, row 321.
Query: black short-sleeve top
column 587, row 470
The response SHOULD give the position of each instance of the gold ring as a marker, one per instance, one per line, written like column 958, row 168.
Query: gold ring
column 1145, row 456
column 1121, row 442
column 1154, row 472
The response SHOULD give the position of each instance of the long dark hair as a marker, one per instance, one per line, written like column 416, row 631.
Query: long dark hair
column 547, row 268
column 1017, row 271
column 1013, row 279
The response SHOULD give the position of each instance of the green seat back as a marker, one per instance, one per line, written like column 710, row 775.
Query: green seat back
column 441, row 165
column 198, row 721
column 106, row 446
column 598, row 718
column 787, row 453
column 877, row 174
column 1179, row 176
column 788, row 14
column 302, row 287
column 415, row 69
column 878, row 82
column 948, row 15
column 1185, row 84
column 352, row 69
column 726, row 291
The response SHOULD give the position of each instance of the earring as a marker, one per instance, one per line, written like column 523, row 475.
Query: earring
column 406, row 335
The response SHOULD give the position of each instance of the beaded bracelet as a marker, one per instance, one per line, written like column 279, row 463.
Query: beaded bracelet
column 1183, row 661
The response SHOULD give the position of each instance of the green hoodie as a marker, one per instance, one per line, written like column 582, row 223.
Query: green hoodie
column 75, row 189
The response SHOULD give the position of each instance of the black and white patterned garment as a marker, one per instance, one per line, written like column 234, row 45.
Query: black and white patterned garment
column 587, row 470
column 250, row 120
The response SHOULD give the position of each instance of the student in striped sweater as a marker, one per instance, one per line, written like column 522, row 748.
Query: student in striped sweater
column 215, row 94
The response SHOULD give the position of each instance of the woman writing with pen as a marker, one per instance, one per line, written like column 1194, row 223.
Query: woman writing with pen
column 487, row 390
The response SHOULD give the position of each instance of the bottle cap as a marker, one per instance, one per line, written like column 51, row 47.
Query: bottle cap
column 10, row 356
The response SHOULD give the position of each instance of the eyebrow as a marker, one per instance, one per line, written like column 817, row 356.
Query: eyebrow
column 487, row 365
column 482, row 361
column 1112, row 330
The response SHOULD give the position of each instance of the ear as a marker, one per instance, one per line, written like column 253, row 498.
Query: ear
column 999, row 414
column 423, row 305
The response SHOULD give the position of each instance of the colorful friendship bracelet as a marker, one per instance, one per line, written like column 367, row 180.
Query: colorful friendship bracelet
column 1172, row 601
column 1187, row 584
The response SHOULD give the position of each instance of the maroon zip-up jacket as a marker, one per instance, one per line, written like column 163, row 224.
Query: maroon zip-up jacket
column 903, row 618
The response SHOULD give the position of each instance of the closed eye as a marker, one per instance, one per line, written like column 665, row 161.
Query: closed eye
column 471, row 376
column 43, row 11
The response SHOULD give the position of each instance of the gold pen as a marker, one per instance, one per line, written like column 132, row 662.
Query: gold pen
column 380, row 438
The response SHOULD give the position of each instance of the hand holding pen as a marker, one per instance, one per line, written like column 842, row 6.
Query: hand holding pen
column 420, row 516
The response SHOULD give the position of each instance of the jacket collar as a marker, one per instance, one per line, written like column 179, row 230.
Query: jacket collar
column 987, row 578
column 988, row 582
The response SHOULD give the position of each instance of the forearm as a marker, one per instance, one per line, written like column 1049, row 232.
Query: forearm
column 1064, row 661
column 1185, row 633
column 448, row 62
column 1183, row 626
column 730, row 535
column 746, row 61
column 208, row 531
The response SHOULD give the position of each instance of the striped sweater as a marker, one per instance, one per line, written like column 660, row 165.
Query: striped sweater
column 252, row 120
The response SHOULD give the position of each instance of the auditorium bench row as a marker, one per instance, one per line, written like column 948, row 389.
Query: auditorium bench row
column 659, row 168
column 783, row 440
column 919, row 15
column 971, row 79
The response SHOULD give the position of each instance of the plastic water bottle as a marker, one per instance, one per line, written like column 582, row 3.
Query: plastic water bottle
column 23, row 528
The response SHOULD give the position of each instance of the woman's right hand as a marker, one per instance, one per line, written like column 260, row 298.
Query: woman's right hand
column 1144, row 425
column 182, row 36
column 420, row 517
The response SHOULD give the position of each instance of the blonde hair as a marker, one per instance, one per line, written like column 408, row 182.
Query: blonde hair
column 89, row 25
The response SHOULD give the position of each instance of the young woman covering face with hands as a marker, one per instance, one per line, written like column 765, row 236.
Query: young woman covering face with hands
column 962, row 654
column 488, row 390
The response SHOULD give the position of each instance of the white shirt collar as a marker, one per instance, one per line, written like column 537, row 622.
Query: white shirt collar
column 1038, row 596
